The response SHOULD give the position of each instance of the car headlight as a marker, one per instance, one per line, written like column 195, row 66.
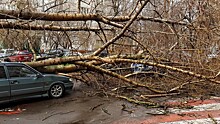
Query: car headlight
column 70, row 79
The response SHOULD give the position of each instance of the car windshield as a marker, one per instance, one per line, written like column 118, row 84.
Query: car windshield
column 24, row 52
column 73, row 54
column 9, row 51
column 21, row 52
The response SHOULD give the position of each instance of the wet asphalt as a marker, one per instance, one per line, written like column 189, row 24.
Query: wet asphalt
column 76, row 107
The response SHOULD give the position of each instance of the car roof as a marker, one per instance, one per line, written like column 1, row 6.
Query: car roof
column 7, row 49
column 11, row 63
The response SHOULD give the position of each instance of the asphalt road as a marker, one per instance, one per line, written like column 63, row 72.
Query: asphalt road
column 81, row 107
column 76, row 107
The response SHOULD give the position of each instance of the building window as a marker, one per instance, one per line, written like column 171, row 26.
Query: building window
column 84, row 10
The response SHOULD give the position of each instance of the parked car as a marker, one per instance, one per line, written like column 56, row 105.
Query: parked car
column 18, row 80
column 141, row 67
column 151, row 70
column 71, row 53
column 20, row 56
column 55, row 53
column 6, row 52
column 104, row 53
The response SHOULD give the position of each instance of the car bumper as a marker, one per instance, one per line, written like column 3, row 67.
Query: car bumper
column 69, row 86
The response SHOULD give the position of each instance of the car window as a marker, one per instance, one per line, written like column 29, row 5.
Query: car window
column 20, row 71
column 2, row 51
column 15, row 53
column 24, row 52
column 2, row 73
column 9, row 51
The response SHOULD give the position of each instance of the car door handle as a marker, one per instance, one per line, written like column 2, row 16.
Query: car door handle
column 14, row 82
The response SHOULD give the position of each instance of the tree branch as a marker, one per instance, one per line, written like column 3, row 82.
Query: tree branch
column 122, row 31
column 12, row 14
column 10, row 25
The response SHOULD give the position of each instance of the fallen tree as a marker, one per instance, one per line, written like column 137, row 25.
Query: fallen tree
column 113, row 75
column 94, row 64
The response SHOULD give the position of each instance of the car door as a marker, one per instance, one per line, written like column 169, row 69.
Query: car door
column 24, row 81
column 4, row 85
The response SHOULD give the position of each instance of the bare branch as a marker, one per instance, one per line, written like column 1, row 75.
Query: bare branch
column 122, row 31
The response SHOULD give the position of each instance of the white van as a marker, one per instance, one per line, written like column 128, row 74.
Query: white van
column 6, row 52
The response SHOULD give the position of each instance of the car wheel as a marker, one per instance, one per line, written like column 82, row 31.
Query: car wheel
column 56, row 91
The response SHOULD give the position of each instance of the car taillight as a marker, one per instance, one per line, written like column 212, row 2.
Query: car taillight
column 19, row 58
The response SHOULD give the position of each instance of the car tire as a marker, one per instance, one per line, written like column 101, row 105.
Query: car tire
column 56, row 91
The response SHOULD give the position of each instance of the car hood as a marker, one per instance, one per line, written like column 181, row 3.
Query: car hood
column 5, row 55
column 56, row 77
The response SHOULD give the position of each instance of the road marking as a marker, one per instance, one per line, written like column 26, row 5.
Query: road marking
column 205, row 107
column 195, row 102
column 202, row 112
column 197, row 121
column 185, row 116
column 9, row 111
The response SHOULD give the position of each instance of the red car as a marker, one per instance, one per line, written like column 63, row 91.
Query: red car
column 21, row 56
